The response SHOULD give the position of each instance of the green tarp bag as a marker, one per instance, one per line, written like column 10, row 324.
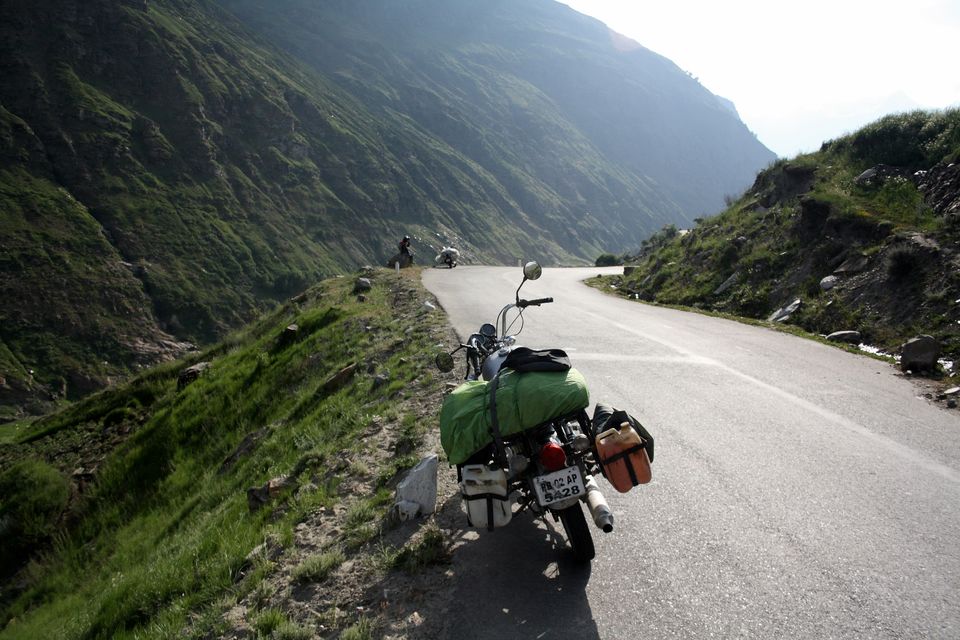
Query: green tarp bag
column 524, row 400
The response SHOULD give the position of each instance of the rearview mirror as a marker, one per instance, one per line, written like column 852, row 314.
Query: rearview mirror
column 444, row 362
column 532, row 270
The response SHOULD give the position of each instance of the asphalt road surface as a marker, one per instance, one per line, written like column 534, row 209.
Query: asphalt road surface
column 799, row 491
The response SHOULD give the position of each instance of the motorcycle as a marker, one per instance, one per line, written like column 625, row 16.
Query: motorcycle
column 519, row 434
column 448, row 256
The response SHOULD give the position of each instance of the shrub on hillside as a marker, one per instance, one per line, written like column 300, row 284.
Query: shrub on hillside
column 913, row 139
column 607, row 260
column 902, row 262
column 750, row 301
column 727, row 256
column 824, row 316
column 659, row 239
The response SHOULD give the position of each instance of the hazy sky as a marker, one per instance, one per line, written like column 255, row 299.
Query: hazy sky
column 803, row 72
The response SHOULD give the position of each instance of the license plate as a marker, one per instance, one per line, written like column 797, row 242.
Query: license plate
column 559, row 485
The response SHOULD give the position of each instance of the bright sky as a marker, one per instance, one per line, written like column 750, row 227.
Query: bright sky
column 803, row 72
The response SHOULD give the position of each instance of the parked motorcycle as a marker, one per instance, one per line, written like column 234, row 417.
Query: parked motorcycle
column 520, row 437
column 448, row 256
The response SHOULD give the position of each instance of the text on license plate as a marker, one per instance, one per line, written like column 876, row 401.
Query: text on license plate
column 559, row 485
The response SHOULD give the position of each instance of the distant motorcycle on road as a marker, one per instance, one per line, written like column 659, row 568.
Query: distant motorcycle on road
column 448, row 256
column 520, row 437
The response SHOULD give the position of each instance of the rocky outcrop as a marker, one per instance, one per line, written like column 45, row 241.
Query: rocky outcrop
column 161, row 347
column 257, row 497
column 775, row 186
column 289, row 335
column 829, row 282
column 338, row 380
column 813, row 214
column 879, row 174
column 919, row 355
column 362, row 285
column 403, row 259
column 844, row 336
column 941, row 188
column 726, row 284
column 417, row 492
column 785, row 312
column 191, row 374
column 853, row 264
column 940, row 185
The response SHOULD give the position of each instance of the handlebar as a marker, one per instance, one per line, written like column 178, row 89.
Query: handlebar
column 475, row 348
column 478, row 345
column 533, row 303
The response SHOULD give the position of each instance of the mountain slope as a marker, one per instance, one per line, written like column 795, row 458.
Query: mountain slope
column 526, row 85
column 864, row 234
column 167, row 173
column 146, row 510
column 166, row 163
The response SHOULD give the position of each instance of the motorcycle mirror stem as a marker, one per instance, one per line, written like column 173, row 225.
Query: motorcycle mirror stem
column 531, row 271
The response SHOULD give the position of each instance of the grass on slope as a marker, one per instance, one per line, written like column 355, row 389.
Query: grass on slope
column 155, row 538
column 806, row 217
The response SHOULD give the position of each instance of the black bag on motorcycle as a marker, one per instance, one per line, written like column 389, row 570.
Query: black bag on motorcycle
column 623, row 446
column 525, row 360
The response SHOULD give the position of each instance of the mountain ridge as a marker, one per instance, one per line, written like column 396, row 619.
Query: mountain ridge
column 641, row 76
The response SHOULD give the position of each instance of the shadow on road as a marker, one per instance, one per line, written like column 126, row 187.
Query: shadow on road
column 520, row 581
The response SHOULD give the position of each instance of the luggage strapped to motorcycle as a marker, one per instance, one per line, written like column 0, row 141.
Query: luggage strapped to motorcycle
column 489, row 497
column 621, row 455
column 521, row 360
column 501, row 452
column 618, row 416
column 501, row 457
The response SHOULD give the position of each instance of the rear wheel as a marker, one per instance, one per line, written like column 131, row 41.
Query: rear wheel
column 578, row 533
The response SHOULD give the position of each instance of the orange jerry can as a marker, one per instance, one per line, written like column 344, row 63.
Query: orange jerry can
column 623, row 457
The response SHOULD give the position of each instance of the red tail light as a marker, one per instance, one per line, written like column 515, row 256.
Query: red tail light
column 553, row 457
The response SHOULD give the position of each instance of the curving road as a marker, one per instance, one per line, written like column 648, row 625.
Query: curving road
column 799, row 491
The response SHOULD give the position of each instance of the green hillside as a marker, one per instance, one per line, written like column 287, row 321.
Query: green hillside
column 879, row 210
column 575, row 121
column 129, row 515
column 172, row 168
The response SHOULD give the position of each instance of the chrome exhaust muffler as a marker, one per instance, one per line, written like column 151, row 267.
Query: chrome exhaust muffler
column 599, row 509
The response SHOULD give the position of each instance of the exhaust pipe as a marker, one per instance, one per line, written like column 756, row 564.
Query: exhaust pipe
column 599, row 509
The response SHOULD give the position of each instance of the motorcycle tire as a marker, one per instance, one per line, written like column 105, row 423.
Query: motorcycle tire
column 578, row 533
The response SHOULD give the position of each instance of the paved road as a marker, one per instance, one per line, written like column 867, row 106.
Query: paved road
column 799, row 491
